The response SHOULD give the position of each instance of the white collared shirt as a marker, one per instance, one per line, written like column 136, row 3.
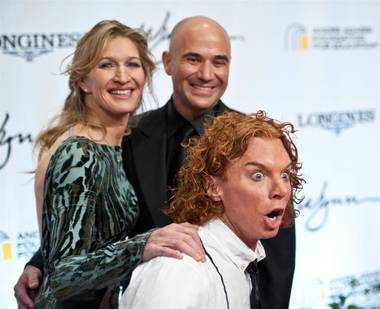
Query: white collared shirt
column 171, row 283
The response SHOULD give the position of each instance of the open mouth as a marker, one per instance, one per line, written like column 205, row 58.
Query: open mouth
column 274, row 214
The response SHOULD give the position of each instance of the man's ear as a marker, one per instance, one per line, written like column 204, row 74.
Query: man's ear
column 166, row 60
column 213, row 189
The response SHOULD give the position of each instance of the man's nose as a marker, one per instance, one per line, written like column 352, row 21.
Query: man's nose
column 206, row 71
column 279, row 188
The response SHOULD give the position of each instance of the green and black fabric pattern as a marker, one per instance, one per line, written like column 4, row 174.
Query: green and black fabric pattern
column 89, row 208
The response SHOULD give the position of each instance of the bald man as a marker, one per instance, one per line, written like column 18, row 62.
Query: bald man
column 198, row 61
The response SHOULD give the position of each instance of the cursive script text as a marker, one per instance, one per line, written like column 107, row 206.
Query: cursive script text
column 320, row 206
column 6, row 141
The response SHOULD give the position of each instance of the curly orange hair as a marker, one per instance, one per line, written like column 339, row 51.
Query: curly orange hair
column 225, row 140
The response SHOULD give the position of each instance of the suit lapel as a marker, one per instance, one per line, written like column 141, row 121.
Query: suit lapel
column 149, row 147
column 149, row 144
column 222, row 108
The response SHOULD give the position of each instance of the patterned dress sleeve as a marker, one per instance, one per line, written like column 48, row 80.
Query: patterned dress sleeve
column 74, row 262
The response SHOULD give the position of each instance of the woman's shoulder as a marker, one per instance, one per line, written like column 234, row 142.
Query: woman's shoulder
column 69, row 150
column 80, row 151
column 47, row 155
column 57, row 156
column 78, row 143
column 82, row 146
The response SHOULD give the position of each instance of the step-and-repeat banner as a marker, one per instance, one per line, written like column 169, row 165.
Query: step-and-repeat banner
column 315, row 63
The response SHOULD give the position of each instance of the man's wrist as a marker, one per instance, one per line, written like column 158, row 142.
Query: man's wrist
column 36, row 261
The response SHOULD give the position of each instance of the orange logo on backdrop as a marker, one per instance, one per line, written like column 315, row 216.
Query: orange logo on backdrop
column 6, row 247
column 296, row 37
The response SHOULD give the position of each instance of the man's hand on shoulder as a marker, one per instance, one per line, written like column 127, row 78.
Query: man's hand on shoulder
column 27, row 286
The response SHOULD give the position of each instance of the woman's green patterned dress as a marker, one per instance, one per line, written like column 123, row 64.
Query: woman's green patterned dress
column 89, row 207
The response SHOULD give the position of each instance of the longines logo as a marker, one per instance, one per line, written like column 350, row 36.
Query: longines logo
column 337, row 121
column 31, row 45
column 298, row 37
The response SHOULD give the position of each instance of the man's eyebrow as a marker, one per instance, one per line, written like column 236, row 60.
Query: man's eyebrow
column 191, row 54
column 262, row 166
column 222, row 57
column 255, row 163
column 198, row 56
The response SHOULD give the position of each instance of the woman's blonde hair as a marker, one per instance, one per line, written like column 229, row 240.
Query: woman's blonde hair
column 86, row 55
column 225, row 140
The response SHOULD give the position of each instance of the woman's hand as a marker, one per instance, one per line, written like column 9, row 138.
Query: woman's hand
column 173, row 240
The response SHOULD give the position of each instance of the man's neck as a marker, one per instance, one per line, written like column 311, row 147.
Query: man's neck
column 250, row 243
column 187, row 113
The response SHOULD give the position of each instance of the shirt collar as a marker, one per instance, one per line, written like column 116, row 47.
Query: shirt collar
column 237, row 251
column 176, row 121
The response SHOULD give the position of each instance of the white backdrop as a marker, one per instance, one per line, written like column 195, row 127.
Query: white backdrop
column 315, row 63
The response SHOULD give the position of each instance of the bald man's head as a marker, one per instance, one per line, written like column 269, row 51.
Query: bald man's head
column 201, row 24
column 198, row 61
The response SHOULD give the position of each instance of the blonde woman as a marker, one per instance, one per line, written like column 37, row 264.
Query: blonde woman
column 85, row 204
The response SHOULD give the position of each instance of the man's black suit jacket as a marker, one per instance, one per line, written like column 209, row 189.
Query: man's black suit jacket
column 145, row 165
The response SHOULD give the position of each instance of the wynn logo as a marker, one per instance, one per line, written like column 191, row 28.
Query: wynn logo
column 337, row 121
column 31, row 45
column 318, row 208
column 7, row 141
